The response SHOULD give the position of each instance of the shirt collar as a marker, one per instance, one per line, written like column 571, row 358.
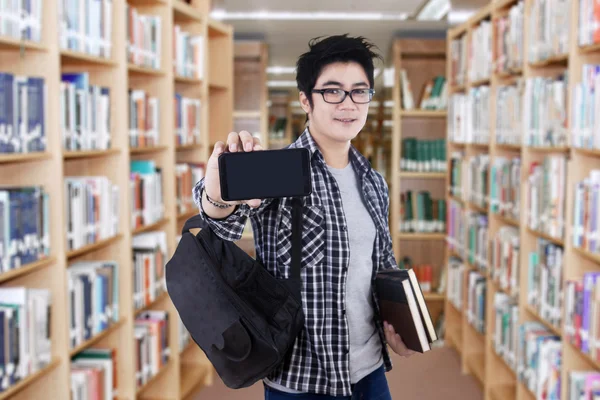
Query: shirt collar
column 306, row 140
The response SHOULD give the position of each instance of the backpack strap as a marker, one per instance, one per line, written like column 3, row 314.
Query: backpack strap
column 296, row 238
column 193, row 223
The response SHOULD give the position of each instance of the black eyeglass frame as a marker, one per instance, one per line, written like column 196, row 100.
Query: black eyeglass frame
column 346, row 93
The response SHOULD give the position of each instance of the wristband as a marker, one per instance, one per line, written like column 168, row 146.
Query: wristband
column 216, row 203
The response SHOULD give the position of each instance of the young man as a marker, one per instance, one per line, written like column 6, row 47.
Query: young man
column 342, row 351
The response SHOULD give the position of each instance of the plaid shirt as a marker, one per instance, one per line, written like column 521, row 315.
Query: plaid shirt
column 319, row 361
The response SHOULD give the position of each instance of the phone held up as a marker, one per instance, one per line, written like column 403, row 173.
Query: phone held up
column 265, row 174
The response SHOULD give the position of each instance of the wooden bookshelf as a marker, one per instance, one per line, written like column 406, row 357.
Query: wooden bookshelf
column 50, row 168
column 498, row 379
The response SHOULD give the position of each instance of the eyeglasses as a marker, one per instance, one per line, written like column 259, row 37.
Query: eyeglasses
column 337, row 96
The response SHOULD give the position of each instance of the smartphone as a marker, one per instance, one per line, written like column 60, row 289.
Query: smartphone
column 265, row 174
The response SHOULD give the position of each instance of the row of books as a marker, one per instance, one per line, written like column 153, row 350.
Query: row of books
column 188, row 53
column 149, row 259
column 456, row 227
column 423, row 271
column 589, row 23
column 509, row 114
column 545, row 111
column 469, row 116
column 468, row 235
column 86, row 26
column 546, row 193
column 433, row 95
column 549, row 25
column 25, row 346
column 544, row 281
column 458, row 61
column 92, row 210
column 152, row 352
column 539, row 360
column 144, row 119
column 506, row 328
column 144, row 38
column 509, row 34
column 421, row 155
column 186, row 177
column 93, row 299
column 419, row 212
column 505, row 187
column 480, row 54
column 455, row 292
column 188, row 118
column 505, row 251
column 24, row 226
column 469, row 178
column 585, row 231
column 21, row 19
column 22, row 113
column 146, row 187
column 85, row 113
column 582, row 316
column 94, row 374
column 583, row 384
column 476, row 300
column 585, row 125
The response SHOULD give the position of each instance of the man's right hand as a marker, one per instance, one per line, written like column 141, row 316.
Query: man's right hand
column 236, row 142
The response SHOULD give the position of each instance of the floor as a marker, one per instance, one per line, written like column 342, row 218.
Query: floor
column 433, row 375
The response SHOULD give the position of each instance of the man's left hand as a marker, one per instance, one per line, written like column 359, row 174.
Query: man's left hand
column 395, row 341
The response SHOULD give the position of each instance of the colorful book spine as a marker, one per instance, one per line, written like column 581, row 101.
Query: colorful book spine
column 420, row 212
column 188, row 53
column 477, row 180
column 144, row 119
column 456, row 275
column 506, row 318
column 585, row 127
column 480, row 52
column 509, row 39
column 476, row 300
column 509, row 114
column 505, row 187
column 586, row 202
column 144, row 38
column 146, row 186
column 86, row 26
column 504, row 256
column 458, row 60
column 469, row 116
column 149, row 260
column 456, row 228
column 423, row 155
column 21, row 19
column 549, row 26
column 588, row 31
column 188, row 112
column 186, row 177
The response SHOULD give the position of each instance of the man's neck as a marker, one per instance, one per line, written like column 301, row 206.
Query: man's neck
column 336, row 154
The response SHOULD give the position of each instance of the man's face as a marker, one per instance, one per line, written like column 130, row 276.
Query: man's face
column 338, row 122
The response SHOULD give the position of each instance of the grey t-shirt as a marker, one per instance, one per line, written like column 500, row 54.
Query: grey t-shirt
column 365, row 345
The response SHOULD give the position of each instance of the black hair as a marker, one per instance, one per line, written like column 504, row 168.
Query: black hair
column 338, row 48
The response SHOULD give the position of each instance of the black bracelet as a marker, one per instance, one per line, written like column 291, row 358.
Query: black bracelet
column 217, row 204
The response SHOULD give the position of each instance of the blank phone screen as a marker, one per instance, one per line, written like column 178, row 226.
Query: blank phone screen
column 265, row 174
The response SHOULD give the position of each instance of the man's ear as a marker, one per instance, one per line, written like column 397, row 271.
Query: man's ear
column 304, row 103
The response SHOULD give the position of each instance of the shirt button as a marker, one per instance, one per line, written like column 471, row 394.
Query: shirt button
column 344, row 228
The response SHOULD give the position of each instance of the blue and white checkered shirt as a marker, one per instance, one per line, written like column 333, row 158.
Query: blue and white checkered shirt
column 319, row 358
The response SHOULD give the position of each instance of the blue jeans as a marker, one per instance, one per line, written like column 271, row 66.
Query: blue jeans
column 372, row 387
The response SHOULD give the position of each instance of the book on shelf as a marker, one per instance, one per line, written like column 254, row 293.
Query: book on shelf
column 458, row 61
column 152, row 350
column 144, row 119
column 544, row 281
column 506, row 318
column 24, row 226
column 144, row 38
column 93, row 299
column 582, row 322
column 539, row 362
column 476, row 239
column 25, row 326
column 545, row 111
column 149, row 259
column 509, row 35
column 420, row 155
column 469, row 116
column 23, row 101
column 456, row 228
column 505, row 187
column 549, row 29
column 85, row 113
column 588, row 31
column 583, row 385
column 585, row 125
column 509, row 114
column 86, row 26
column 585, row 228
column 434, row 93
column 188, row 53
column 403, row 306
column 423, row 272
column 92, row 210
column 22, row 20
column 546, row 195
column 186, row 177
column 456, row 274
column 146, row 186
column 476, row 300
column 419, row 212
column 94, row 374
column 504, row 259
column 188, row 114
column 480, row 52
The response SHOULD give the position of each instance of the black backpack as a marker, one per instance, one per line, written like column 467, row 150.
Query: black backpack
column 244, row 319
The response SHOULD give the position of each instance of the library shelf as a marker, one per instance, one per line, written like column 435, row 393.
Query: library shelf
column 431, row 296
column 74, row 57
column 6, row 158
column 98, row 337
column 541, row 235
column 502, row 392
column 187, row 80
column 595, row 364
column 147, row 2
column 150, row 227
column 71, row 155
column 506, row 220
column 422, row 175
column 420, row 236
column 510, row 74
column 29, row 380
column 247, row 114
column 217, row 86
column 423, row 113
column 159, row 299
column 586, row 152
column 500, row 4
column 89, row 248
column 185, row 12
column 27, row 269
column 477, row 207
column 141, row 70
column 187, row 215
column 134, row 151
column 479, row 146
column 554, row 329
column 9, row 43
column 192, row 377
column 587, row 254
column 481, row 82
column 548, row 149
column 162, row 371
column 557, row 60
column 187, row 147
column 589, row 49
column 502, row 361
column 509, row 147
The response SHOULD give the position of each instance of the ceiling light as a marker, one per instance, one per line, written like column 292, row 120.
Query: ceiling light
column 293, row 15
column 281, row 83
column 456, row 17
column 276, row 70
column 434, row 10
